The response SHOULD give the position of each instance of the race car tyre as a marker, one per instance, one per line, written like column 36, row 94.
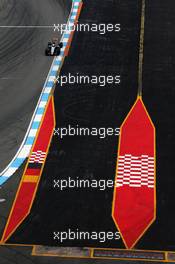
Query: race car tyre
column 46, row 53
column 60, row 45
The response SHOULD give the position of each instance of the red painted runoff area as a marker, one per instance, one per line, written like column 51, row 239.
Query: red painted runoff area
column 29, row 183
column 134, row 203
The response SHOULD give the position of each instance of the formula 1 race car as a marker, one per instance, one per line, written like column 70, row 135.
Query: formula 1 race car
column 53, row 48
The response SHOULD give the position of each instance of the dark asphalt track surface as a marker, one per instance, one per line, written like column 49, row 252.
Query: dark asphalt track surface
column 87, row 106
column 23, row 66
column 90, row 157
column 159, row 97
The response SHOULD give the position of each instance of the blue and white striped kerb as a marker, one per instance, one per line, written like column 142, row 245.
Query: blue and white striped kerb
column 29, row 139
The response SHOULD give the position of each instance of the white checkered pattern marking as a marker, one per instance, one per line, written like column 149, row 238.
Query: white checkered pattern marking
column 135, row 171
column 37, row 156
